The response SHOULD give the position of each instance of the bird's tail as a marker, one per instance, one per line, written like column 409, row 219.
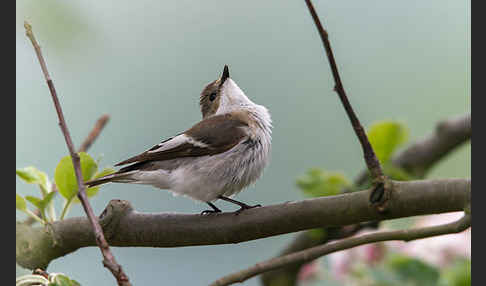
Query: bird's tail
column 117, row 177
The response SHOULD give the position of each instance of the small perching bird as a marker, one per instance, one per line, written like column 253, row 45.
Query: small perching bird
column 216, row 158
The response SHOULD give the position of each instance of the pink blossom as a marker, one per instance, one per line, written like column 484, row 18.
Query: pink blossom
column 438, row 250
column 309, row 271
column 372, row 253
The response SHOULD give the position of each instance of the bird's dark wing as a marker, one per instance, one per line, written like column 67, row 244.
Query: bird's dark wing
column 210, row 136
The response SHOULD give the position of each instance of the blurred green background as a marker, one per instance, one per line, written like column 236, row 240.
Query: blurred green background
column 145, row 63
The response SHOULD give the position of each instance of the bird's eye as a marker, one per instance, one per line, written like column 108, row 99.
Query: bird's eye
column 212, row 96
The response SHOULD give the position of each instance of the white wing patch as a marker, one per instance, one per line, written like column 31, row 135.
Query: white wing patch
column 177, row 141
column 196, row 143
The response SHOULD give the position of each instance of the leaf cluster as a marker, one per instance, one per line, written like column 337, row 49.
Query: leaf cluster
column 385, row 138
column 65, row 185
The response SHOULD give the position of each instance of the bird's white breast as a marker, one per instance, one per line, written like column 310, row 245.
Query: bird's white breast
column 207, row 177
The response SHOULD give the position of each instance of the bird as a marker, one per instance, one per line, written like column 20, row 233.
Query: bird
column 216, row 158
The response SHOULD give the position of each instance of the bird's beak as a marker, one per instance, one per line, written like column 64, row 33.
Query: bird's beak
column 225, row 74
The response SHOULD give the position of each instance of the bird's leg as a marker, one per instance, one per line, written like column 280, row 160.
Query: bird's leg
column 242, row 205
column 214, row 209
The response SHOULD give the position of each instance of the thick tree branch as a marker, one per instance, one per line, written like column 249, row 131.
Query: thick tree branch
column 417, row 159
column 310, row 254
column 125, row 227
column 108, row 258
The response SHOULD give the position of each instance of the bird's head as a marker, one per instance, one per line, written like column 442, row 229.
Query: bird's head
column 222, row 95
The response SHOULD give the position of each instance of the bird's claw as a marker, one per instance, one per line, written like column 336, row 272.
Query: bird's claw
column 207, row 212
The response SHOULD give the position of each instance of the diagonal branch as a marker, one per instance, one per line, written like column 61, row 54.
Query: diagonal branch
column 126, row 227
column 99, row 125
column 417, row 159
column 369, row 155
column 108, row 258
column 318, row 251
column 448, row 135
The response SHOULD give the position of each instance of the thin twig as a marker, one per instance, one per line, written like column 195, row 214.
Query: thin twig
column 318, row 251
column 371, row 160
column 94, row 133
column 108, row 258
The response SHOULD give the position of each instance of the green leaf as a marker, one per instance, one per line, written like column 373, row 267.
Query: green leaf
column 317, row 234
column 382, row 277
column 317, row 183
column 412, row 270
column 396, row 173
column 458, row 274
column 35, row 201
column 48, row 198
column 94, row 190
column 104, row 172
column 63, row 280
column 65, row 177
column 41, row 204
column 28, row 174
column 32, row 175
column 20, row 203
column 282, row 280
column 90, row 192
column 385, row 137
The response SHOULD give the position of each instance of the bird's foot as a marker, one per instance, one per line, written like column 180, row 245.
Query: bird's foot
column 213, row 211
column 242, row 205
